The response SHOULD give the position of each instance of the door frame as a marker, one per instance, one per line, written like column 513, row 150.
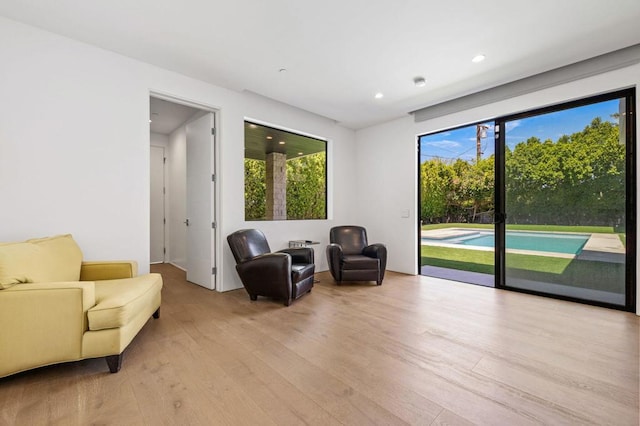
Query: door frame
column 216, row 244
column 164, row 204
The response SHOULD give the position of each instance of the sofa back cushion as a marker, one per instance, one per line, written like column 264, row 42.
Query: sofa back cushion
column 48, row 259
column 6, row 282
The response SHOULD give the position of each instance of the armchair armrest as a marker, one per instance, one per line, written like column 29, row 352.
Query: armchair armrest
column 375, row 250
column 299, row 254
column 108, row 270
column 334, row 257
column 42, row 323
column 268, row 274
column 378, row 251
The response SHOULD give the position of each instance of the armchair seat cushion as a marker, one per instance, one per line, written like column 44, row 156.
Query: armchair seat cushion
column 300, row 272
column 119, row 301
column 358, row 261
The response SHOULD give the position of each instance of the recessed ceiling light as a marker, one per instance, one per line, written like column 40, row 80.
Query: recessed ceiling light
column 299, row 153
column 379, row 95
column 419, row 81
column 253, row 126
column 478, row 58
column 269, row 137
column 282, row 142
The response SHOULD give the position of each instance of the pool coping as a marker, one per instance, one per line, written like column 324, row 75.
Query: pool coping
column 599, row 247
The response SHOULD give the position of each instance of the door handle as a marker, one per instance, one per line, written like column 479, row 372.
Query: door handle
column 186, row 222
column 499, row 218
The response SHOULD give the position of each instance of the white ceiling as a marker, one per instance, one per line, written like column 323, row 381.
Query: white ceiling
column 167, row 116
column 339, row 53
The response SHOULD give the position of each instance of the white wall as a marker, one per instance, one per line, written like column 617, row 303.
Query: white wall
column 157, row 139
column 387, row 180
column 74, row 149
column 395, row 142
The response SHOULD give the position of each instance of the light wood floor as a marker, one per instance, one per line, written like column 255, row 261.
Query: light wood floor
column 415, row 350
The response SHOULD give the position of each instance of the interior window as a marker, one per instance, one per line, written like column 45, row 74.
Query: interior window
column 285, row 174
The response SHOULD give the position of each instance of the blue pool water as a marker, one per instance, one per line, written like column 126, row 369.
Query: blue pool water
column 535, row 241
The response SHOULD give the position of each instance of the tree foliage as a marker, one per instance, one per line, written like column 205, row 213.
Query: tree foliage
column 306, row 188
column 579, row 179
column 255, row 189
column 437, row 183
column 458, row 191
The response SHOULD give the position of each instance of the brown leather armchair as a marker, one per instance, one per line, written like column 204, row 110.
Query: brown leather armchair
column 286, row 274
column 351, row 258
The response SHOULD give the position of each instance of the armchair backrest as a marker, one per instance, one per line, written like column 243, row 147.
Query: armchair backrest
column 246, row 244
column 353, row 239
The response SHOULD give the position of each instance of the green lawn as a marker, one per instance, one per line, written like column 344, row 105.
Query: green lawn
column 578, row 273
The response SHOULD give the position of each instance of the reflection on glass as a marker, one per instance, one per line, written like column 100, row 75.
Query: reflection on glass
column 565, row 202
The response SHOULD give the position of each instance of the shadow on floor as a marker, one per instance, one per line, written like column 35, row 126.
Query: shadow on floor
column 486, row 280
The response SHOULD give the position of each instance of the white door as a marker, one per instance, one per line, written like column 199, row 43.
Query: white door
column 157, row 220
column 200, row 196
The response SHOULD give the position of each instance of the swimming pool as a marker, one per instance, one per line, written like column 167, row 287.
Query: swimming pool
column 534, row 241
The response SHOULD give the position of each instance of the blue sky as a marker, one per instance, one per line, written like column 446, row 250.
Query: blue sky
column 461, row 143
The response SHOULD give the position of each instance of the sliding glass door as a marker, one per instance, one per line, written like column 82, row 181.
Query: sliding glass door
column 540, row 202
column 565, row 203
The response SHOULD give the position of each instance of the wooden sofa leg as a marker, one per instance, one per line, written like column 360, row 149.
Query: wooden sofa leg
column 253, row 296
column 156, row 314
column 114, row 362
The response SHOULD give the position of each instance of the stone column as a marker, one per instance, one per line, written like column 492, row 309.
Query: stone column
column 276, row 176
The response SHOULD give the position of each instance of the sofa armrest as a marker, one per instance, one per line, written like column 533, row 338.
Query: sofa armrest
column 43, row 323
column 85, row 289
column 108, row 270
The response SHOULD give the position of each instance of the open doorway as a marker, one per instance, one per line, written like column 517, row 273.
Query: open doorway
column 457, row 182
column 182, row 216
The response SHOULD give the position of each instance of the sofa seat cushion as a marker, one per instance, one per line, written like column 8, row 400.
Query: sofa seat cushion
column 119, row 301
column 38, row 260
column 357, row 261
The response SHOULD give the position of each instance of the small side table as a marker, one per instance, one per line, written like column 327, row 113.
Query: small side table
column 303, row 243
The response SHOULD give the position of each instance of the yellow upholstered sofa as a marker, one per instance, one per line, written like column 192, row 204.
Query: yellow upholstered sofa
column 55, row 307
